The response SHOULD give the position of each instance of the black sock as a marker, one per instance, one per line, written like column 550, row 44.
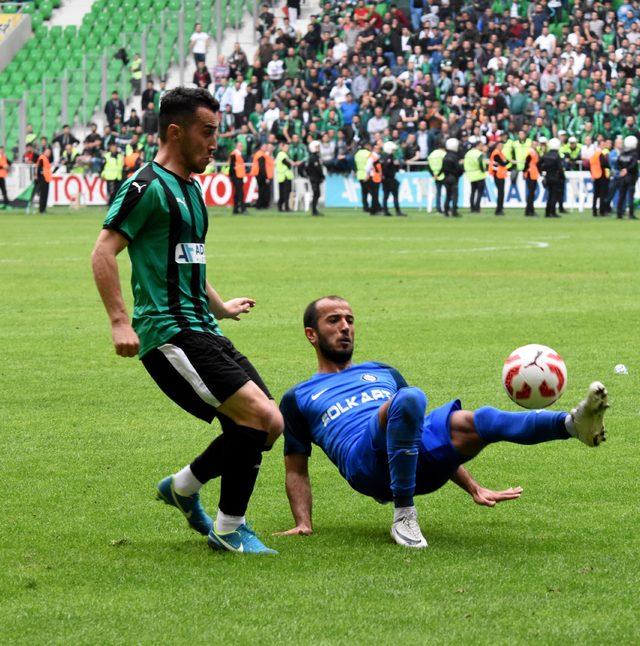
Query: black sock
column 243, row 456
column 210, row 462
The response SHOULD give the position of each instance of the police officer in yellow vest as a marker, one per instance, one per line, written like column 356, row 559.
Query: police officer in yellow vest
column 284, row 177
column 570, row 153
column 434, row 161
column 361, row 158
column 475, row 171
column 112, row 170
column 516, row 151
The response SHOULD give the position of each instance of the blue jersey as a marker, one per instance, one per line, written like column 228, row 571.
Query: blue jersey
column 332, row 410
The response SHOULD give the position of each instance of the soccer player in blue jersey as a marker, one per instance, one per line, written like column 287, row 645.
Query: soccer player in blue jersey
column 372, row 426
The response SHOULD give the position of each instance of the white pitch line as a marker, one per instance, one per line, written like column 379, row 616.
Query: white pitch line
column 527, row 245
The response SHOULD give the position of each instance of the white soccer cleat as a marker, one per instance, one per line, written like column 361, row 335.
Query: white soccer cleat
column 588, row 416
column 406, row 532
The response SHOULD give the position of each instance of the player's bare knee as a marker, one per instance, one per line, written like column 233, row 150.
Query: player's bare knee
column 269, row 419
column 462, row 422
column 276, row 425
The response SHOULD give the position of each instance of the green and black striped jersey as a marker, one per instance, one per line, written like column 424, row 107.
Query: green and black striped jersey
column 165, row 220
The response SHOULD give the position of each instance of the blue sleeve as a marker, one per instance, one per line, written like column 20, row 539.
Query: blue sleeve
column 297, row 440
column 401, row 382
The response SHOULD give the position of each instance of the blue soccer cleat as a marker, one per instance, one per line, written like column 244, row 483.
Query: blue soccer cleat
column 242, row 541
column 189, row 506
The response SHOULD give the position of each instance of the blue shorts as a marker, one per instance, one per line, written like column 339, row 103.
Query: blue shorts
column 368, row 467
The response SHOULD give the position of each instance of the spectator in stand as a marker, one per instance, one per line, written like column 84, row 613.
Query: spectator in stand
column 135, row 69
column 108, row 137
column 91, row 156
column 411, row 153
column 339, row 92
column 201, row 76
column 31, row 136
column 275, row 70
column 377, row 124
column 150, row 148
column 29, row 156
column 150, row 95
column 161, row 92
column 123, row 138
column 150, row 120
column 114, row 108
column 198, row 44
column 134, row 120
column 238, row 99
column 238, row 62
column 221, row 71
column 64, row 138
column 349, row 109
column 68, row 158
column 118, row 126
column 293, row 11
column 327, row 152
column 266, row 20
column 294, row 66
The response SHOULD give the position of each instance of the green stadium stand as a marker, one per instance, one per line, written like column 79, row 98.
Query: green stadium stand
column 108, row 26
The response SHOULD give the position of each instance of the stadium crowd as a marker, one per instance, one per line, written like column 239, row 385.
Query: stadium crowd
column 516, row 72
column 369, row 72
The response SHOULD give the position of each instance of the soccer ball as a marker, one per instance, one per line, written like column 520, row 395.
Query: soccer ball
column 534, row 376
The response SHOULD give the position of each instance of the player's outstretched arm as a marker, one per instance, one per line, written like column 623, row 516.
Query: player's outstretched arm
column 298, row 486
column 228, row 309
column 105, row 272
column 481, row 495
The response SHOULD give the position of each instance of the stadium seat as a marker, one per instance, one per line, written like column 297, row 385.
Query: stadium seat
column 46, row 9
column 70, row 33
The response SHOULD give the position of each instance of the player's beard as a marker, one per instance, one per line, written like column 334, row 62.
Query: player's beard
column 333, row 354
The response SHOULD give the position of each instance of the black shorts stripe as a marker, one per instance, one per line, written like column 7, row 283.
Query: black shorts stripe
column 195, row 267
column 220, row 366
column 133, row 195
column 173, row 271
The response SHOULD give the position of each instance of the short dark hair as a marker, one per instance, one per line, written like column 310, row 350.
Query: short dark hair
column 310, row 317
column 180, row 104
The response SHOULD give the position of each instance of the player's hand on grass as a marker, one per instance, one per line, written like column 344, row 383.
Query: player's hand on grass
column 237, row 306
column 299, row 530
column 125, row 339
column 489, row 498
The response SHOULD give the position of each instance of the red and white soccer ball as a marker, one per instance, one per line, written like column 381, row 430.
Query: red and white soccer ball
column 534, row 376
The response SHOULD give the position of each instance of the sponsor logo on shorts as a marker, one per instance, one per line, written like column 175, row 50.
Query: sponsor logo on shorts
column 190, row 253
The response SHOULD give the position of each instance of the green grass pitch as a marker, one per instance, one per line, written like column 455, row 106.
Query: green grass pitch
column 88, row 556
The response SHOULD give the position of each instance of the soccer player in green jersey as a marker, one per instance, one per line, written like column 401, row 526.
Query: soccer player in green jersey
column 160, row 216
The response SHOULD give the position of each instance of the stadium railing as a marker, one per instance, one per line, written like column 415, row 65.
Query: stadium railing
column 418, row 187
